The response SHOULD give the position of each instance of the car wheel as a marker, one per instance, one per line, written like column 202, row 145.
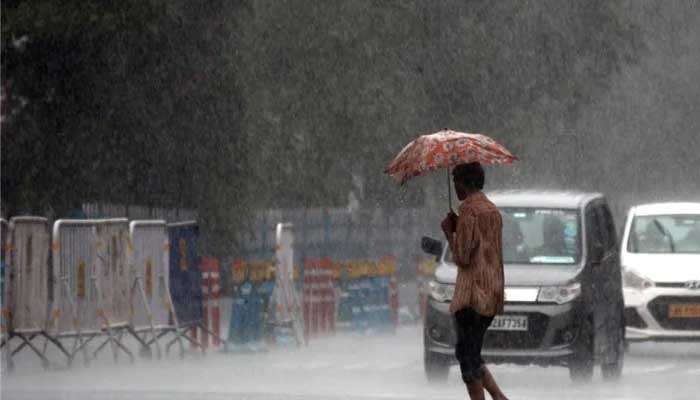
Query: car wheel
column 581, row 362
column 437, row 366
column 612, row 371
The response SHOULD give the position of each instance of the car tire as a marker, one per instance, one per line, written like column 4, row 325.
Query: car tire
column 581, row 362
column 612, row 371
column 437, row 366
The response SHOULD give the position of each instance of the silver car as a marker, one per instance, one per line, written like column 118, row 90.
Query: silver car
column 564, row 303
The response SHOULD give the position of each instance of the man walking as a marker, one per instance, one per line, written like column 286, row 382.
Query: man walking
column 475, row 241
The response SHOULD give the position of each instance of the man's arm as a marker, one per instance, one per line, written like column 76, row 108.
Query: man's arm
column 461, row 241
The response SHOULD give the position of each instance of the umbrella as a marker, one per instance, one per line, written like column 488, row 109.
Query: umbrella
column 446, row 149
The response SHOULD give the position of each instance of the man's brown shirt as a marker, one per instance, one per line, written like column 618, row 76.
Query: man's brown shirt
column 476, row 249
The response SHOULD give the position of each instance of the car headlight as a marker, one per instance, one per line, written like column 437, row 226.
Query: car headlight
column 441, row 292
column 559, row 294
column 634, row 280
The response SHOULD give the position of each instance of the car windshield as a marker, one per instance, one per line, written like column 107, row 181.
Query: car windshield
column 665, row 234
column 539, row 236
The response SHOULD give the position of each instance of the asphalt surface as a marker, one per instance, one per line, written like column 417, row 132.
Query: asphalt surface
column 345, row 366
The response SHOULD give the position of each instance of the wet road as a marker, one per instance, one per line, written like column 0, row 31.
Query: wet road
column 346, row 367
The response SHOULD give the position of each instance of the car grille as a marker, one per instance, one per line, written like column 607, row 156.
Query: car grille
column 530, row 339
column 659, row 309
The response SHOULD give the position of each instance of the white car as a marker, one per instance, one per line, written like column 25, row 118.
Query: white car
column 660, row 258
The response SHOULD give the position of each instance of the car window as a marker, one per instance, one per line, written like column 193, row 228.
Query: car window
column 665, row 234
column 540, row 236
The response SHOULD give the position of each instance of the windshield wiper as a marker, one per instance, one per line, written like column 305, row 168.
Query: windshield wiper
column 666, row 233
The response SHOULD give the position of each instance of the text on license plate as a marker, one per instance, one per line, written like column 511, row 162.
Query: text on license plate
column 509, row 323
column 684, row 310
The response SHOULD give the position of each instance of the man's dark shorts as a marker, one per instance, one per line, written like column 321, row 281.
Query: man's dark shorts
column 471, row 328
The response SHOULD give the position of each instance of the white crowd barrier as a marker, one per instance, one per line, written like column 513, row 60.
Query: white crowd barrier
column 28, row 244
column 112, row 272
column 113, row 284
column 4, row 311
column 150, row 265
column 91, row 283
column 151, row 303
column 28, row 301
column 87, row 279
column 74, row 309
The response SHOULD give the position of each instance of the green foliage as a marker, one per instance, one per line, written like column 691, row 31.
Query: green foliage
column 132, row 102
column 228, row 106
column 341, row 86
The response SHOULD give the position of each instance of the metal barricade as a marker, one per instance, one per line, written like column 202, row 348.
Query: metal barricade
column 74, row 309
column 91, row 278
column 113, row 272
column 319, row 297
column 211, row 286
column 112, row 281
column 28, row 285
column 285, row 299
column 185, row 279
column 30, row 244
column 4, row 311
column 151, row 303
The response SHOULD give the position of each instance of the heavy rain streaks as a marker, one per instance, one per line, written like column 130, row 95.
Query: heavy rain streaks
column 220, row 165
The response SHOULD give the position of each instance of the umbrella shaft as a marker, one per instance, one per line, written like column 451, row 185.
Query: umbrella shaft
column 449, row 188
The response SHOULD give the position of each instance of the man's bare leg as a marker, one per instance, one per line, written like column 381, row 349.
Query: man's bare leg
column 476, row 390
column 491, row 386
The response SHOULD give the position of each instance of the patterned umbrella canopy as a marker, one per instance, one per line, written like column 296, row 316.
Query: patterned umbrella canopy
column 446, row 149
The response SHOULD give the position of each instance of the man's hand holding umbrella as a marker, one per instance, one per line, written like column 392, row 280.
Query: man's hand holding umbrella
column 449, row 224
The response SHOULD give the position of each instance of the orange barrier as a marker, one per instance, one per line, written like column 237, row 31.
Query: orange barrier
column 319, row 297
column 425, row 272
column 369, row 289
column 394, row 300
column 211, row 288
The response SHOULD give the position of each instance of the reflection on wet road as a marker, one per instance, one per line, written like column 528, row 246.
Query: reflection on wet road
column 347, row 367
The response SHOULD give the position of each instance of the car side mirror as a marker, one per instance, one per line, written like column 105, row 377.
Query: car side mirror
column 431, row 246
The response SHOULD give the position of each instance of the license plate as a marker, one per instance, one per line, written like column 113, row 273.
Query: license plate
column 509, row 323
column 684, row 311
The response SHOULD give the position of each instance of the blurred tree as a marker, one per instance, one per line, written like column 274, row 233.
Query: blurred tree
column 343, row 85
column 229, row 106
column 134, row 102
